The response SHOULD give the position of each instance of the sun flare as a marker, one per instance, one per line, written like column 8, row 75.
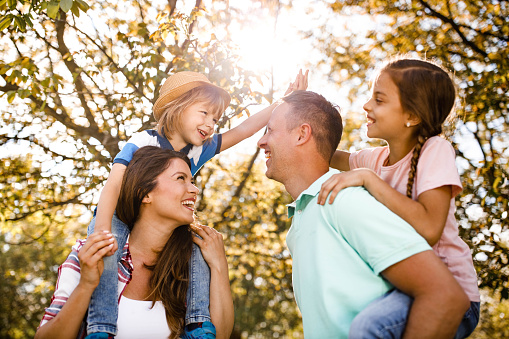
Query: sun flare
column 264, row 50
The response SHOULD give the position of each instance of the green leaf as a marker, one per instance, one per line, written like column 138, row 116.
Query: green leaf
column 27, row 20
column 11, row 96
column 53, row 8
column 66, row 5
column 6, row 21
column 82, row 5
column 75, row 9
column 20, row 23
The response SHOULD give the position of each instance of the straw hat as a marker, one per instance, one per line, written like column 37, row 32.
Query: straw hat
column 180, row 83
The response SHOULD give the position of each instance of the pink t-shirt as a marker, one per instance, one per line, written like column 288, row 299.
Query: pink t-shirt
column 436, row 168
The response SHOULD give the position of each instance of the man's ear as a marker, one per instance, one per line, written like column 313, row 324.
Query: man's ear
column 304, row 134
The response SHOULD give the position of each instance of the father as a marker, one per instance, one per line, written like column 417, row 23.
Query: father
column 353, row 251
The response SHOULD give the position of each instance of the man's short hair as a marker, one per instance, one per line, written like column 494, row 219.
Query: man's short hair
column 323, row 117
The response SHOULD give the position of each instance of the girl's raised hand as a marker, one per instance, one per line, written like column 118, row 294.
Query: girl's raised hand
column 342, row 180
column 91, row 258
column 211, row 245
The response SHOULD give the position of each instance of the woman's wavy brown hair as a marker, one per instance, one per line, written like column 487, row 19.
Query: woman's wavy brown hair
column 427, row 91
column 170, row 273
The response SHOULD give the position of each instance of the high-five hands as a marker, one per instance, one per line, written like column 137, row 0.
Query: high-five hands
column 300, row 83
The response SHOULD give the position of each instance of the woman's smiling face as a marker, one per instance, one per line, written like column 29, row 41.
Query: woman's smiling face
column 175, row 194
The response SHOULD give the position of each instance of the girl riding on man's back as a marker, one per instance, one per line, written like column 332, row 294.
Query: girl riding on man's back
column 186, row 112
column 415, row 176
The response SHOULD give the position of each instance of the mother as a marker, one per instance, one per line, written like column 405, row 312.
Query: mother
column 157, row 202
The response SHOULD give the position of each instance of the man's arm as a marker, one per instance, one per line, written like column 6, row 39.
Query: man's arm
column 439, row 301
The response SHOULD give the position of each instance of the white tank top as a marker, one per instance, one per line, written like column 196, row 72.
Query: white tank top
column 137, row 320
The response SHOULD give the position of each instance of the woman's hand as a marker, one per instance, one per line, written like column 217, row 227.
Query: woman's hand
column 91, row 258
column 211, row 245
column 221, row 302
column 337, row 182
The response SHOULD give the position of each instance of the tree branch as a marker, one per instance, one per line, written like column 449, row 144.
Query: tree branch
column 182, row 48
column 456, row 28
column 245, row 177
column 35, row 141
column 110, row 59
column 50, row 205
column 76, row 71
column 82, row 131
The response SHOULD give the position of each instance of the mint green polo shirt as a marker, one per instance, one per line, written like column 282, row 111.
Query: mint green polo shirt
column 338, row 252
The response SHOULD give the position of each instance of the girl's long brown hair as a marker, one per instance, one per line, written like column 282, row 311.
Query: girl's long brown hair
column 427, row 91
column 170, row 273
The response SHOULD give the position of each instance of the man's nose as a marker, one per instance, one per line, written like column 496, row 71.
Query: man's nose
column 261, row 142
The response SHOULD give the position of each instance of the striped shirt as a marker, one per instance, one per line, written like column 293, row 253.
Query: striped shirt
column 69, row 277
column 198, row 155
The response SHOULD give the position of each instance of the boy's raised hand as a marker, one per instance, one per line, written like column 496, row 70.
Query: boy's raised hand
column 300, row 83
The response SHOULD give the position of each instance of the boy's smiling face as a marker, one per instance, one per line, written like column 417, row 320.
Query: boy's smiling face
column 197, row 125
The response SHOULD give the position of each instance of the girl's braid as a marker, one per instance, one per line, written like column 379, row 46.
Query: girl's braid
column 413, row 165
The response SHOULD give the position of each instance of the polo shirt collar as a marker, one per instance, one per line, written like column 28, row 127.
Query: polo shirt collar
column 165, row 143
column 308, row 194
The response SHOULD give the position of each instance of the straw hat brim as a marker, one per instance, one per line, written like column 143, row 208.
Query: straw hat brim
column 178, row 91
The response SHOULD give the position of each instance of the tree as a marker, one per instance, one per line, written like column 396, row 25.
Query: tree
column 471, row 39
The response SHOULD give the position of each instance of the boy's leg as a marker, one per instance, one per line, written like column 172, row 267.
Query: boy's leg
column 469, row 322
column 103, row 308
column 197, row 320
column 385, row 317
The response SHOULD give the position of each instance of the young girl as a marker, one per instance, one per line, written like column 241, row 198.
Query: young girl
column 186, row 112
column 415, row 176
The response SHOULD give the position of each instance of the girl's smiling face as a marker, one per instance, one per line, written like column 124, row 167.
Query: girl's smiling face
column 385, row 115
